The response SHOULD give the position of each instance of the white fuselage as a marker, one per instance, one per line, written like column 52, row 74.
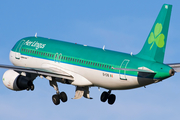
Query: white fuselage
column 82, row 76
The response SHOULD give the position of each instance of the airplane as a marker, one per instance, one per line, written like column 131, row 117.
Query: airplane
column 83, row 66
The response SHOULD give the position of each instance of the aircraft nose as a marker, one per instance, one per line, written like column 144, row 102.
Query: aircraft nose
column 171, row 72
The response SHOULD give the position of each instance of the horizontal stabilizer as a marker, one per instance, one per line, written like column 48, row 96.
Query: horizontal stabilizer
column 175, row 66
column 136, row 70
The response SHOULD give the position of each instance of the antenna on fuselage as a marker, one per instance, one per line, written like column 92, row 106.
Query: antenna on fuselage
column 36, row 35
column 131, row 53
column 103, row 47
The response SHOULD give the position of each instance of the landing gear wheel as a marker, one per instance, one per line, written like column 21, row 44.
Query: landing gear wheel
column 63, row 96
column 104, row 96
column 55, row 99
column 58, row 96
column 111, row 99
column 27, row 89
column 32, row 87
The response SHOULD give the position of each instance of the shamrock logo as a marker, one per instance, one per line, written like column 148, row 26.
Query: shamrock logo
column 157, row 37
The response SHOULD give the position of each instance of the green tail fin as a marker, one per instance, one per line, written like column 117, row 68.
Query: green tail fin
column 154, row 47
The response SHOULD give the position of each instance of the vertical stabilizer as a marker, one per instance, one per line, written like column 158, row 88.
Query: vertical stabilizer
column 154, row 47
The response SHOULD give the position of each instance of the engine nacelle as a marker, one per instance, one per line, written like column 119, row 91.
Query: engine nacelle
column 14, row 81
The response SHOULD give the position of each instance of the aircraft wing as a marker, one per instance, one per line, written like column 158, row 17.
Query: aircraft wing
column 39, row 71
column 175, row 66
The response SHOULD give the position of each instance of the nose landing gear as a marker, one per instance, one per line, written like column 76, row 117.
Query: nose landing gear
column 31, row 87
column 107, row 95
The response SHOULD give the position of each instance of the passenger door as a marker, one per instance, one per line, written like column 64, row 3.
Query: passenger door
column 18, row 49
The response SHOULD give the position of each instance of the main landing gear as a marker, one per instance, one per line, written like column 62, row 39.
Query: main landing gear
column 107, row 95
column 58, row 96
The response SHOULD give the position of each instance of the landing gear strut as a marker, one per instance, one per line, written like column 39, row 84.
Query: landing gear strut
column 107, row 95
column 58, row 96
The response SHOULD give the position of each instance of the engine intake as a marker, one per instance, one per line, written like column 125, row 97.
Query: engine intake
column 14, row 81
column 23, row 83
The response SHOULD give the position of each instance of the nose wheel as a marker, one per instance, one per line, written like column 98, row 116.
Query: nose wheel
column 108, row 96
column 31, row 87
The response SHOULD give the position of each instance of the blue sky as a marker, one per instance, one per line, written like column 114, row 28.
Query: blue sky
column 120, row 26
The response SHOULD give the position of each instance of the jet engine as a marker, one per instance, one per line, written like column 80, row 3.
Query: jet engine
column 15, row 81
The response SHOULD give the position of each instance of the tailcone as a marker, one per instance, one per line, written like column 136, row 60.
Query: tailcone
column 171, row 72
